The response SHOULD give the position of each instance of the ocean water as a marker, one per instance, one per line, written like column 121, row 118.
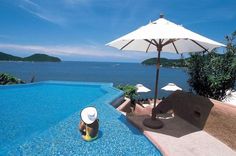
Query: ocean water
column 117, row 73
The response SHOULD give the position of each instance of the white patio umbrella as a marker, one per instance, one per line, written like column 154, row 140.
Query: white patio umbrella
column 163, row 36
column 171, row 87
column 142, row 89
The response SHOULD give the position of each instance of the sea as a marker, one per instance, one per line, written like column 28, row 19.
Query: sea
column 116, row 73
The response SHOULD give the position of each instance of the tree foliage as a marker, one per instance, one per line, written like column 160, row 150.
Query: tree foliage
column 130, row 90
column 6, row 79
column 212, row 74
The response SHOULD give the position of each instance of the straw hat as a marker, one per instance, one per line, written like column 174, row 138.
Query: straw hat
column 89, row 115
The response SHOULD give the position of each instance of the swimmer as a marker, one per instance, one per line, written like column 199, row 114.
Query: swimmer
column 89, row 124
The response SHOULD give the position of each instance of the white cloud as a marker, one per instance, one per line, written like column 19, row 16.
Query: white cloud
column 41, row 12
column 32, row 3
column 78, row 52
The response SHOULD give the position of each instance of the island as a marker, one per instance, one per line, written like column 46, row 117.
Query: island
column 32, row 58
column 167, row 62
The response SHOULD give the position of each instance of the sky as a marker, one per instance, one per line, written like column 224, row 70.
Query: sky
column 77, row 30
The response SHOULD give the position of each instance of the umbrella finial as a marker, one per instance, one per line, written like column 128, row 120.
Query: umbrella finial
column 161, row 15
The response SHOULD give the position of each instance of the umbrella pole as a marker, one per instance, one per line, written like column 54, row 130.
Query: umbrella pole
column 153, row 122
column 156, row 84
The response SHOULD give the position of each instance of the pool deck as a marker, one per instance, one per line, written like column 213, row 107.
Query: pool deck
column 178, row 137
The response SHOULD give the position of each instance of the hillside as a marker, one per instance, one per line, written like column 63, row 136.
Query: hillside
column 173, row 62
column 7, row 57
column 41, row 58
column 166, row 62
column 32, row 58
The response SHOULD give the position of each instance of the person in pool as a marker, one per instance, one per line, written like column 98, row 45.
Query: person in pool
column 89, row 124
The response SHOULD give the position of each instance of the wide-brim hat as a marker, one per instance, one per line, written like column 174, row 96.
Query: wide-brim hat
column 89, row 115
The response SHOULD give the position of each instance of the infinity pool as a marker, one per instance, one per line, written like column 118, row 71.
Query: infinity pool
column 42, row 119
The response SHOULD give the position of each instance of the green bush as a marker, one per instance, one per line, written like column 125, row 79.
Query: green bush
column 212, row 74
column 130, row 91
column 6, row 79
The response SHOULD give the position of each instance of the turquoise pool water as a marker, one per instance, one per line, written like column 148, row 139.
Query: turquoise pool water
column 42, row 119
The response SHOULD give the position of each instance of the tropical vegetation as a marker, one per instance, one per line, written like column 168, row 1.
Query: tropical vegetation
column 211, row 74
column 129, row 90
column 6, row 79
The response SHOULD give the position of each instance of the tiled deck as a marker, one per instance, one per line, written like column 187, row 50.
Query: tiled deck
column 178, row 138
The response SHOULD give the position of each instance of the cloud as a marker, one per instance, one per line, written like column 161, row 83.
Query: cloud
column 42, row 12
column 77, row 52
column 32, row 3
column 64, row 12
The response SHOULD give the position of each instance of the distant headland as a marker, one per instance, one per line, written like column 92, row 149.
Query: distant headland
column 182, row 62
column 31, row 58
column 167, row 62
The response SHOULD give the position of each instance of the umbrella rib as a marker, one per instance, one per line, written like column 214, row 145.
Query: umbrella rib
column 157, row 45
column 150, row 42
column 169, row 41
column 175, row 48
column 126, row 44
column 148, row 46
column 199, row 45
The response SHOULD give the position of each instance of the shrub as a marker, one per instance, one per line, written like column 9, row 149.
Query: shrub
column 130, row 91
column 212, row 74
column 6, row 79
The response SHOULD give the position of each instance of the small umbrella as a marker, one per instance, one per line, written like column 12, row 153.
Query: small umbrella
column 142, row 89
column 163, row 36
column 171, row 87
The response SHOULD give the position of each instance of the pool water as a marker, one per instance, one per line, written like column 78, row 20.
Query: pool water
column 42, row 119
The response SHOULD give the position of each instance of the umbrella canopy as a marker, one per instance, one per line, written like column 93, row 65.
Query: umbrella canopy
column 171, row 37
column 163, row 36
column 142, row 89
column 171, row 87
